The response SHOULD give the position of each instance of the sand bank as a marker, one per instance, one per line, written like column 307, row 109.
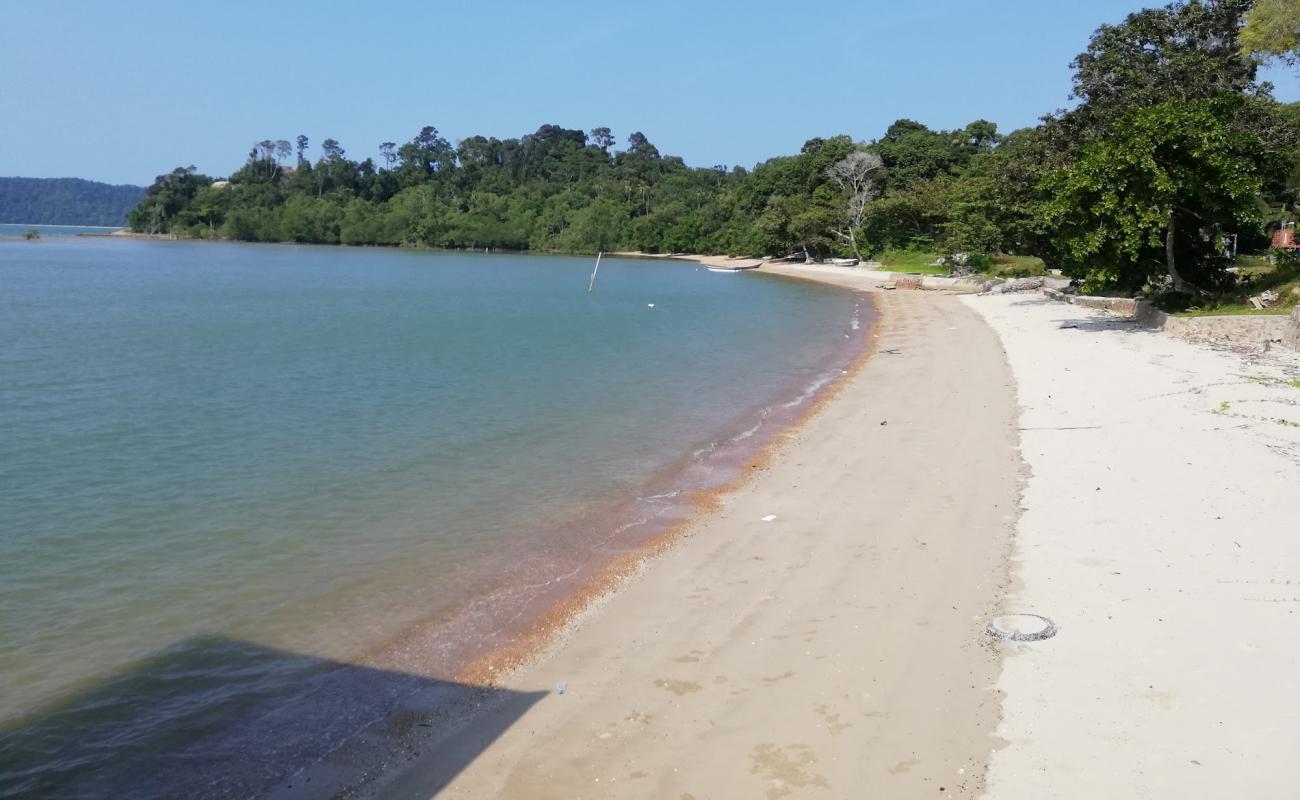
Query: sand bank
column 1160, row 533
column 821, row 634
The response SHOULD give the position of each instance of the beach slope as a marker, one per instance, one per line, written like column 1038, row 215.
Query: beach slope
column 820, row 635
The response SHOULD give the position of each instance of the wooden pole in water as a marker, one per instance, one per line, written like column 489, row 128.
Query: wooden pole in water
column 592, row 283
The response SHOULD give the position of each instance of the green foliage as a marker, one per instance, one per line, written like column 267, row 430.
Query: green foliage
column 1008, row 266
column 1183, row 51
column 1272, row 30
column 913, row 261
column 1284, row 261
column 1172, row 132
column 913, row 153
column 1175, row 169
column 65, row 201
column 973, row 228
column 912, row 218
column 31, row 234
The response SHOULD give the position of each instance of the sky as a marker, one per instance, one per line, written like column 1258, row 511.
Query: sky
column 121, row 92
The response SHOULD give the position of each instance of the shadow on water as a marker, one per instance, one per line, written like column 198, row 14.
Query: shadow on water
column 219, row 718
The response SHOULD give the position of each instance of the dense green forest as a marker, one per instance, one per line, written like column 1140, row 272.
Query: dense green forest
column 66, row 201
column 1172, row 145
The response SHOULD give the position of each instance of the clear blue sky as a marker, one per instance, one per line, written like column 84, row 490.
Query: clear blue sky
column 123, row 91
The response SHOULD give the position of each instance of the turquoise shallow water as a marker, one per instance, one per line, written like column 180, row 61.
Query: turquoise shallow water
column 214, row 452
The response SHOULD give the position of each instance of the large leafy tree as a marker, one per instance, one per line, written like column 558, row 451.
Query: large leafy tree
column 1183, row 51
column 1273, row 30
column 1156, row 196
column 168, row 197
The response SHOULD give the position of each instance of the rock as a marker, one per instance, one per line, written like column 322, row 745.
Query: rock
column 1264, row 300
column 1022, row 284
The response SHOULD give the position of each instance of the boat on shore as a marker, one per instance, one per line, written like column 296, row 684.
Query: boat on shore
column 732, row 266
column 845, row 262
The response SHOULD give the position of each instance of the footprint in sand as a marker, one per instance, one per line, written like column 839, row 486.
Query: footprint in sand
column 778, row 678
column 785, row 769
column 833, row 725
column 678, row 688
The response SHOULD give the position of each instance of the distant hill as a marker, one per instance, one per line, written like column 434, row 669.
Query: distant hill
column 65, row 201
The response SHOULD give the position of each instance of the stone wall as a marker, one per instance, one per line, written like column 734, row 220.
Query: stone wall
column 1236, row 329
column 1251, row 330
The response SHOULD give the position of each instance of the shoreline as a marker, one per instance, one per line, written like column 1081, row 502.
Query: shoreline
column 425, row 655
column 400, row 660
column 526, row 645
column 695, row 483
column 595, row 647
column 540, row 630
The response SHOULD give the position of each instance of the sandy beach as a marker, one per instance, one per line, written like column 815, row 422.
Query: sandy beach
column 823, row 633
column 1160, row 534
column 818, row 635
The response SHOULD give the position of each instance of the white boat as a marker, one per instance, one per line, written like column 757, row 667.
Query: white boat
column 737, row 265
column 845, row 262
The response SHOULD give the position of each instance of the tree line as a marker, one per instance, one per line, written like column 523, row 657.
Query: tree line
column 66, row 201
column 1173, row 146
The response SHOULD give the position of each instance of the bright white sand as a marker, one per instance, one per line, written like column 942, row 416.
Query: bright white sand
column 1161, row 532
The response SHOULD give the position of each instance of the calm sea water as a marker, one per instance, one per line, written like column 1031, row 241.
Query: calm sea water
column 46, row 231
column 229, row 467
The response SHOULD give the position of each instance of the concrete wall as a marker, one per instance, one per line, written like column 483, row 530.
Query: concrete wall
column 1238, row 329
column 1123, row 306
column 1252, row 330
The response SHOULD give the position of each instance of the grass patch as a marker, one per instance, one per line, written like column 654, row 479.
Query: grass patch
column 1005, row 266
column 1256, row 274
column 1253, row 265
column 912, row 262
column 1233, row 310
column 919, row 263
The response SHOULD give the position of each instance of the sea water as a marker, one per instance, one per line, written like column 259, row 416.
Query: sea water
column 225, row 467
column 8, row 230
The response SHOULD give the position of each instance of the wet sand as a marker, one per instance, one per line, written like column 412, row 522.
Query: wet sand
column 819, row 634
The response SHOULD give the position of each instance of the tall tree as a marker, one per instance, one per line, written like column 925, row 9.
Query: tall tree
column 639, row 145
column 389, row 152
column 1272, row 30
column 1158, row 195
column 852, row 175
column 602, row 138
column 1184, row 51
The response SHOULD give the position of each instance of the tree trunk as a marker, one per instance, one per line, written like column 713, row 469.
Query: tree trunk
column 1180, row 285
column 853, row 241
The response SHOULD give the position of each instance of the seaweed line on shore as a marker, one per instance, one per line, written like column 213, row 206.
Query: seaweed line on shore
column 495, row 665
